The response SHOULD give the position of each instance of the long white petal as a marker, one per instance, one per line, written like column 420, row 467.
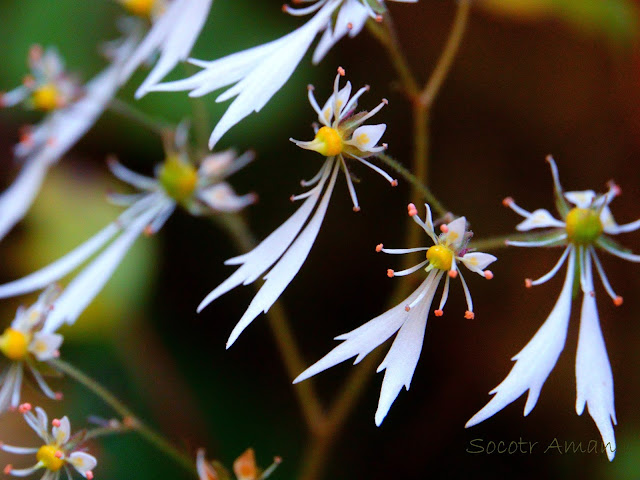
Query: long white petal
column 174, row 34
column 16, row 200
column 402, row 359
column 258, row 260
column 367, row 337
column 287, row 267
column 87, row 284
column 594, row 379
column 536, row 360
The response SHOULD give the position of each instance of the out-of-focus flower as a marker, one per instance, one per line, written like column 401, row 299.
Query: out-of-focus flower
column 586, row 219
column 73, row 111
column 409, row 318
column 259, row 72
column 200, row 191
column 26, row 346
column 59, row 452
column 175, row 29
column 244, row 467
column 284, row 251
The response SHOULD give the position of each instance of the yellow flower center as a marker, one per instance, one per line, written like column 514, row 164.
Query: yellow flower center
column 178, row 178
column 440, row 257
column 327, row 142
column 46, row 97
column 14, row 344
column 583, row 226
column 141, row 8
column 49, row 456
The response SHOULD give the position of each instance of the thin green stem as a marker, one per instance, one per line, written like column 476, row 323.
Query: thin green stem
column 129, row 419
column 435, row 204
column 236, row 226
column 137, row 116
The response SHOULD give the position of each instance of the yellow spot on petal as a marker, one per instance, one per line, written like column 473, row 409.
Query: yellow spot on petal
column 440, row 257
column 47, row 455
column 14, row 344
column 362, row 139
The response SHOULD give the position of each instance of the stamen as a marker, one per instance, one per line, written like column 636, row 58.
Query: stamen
column 55, row 422
column 390, row 273
column 379, row 247
column 314, row 104
column 408, row 271
column 469, row 315
column 604, row 279
column 453, row 273
column 549, row 275
column 354, row 99
column 444, row 228
column 24, row 408
column 7, row 469
column 352, row 190
column 412, row 210
column 88, row 475
column 370, row 114
column 539, row 243
column 385, row 175
column 445, row 296
column 467, row 296
column 528, row 283
column 509, row 202
column 400, row 251
column 438, row 313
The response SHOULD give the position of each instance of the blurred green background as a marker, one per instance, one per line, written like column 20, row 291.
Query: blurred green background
column 533, row 77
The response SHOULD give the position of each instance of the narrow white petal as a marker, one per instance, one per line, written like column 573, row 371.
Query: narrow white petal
column 16, row 200
column 594, row 379
column 87, row 284
column 367, row 337
column 258, row 260
column 402, row 359
column 287, row 267
column 540, row 218
column 536, row 360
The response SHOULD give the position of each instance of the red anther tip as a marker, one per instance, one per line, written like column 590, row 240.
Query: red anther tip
column 548, row 158
column 379, row 247
column 341, row 72
column 411, row 208
column 616, row 189
column 349, row 26
column 385, row 101
column 528, row 283
column 394, row 183
column 379, row 18
column 89, row 475
column 444, row 228
column 59, row 395
column 453, row 273
column 438, row 313
column 488, row 274
column 24, row 408
column 148, row 231
column 618, row 301
column 58, row 454
column 292, row 198
column 311, row 87
column 356, row 209
column 285, row 7
column 55, row 422
column 277, row 460
column 469, row 315
column 407, row 308
column 390, row 273
column 7, row 469
column 507, row 201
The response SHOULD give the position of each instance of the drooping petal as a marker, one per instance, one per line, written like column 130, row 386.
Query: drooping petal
column 262, row 257
column 583, row 199
column 288, row 266
column 611, row 227
column 44, row 346
column 594, row 379
column 361, row 341
column 540, row 218
column 366, row 137
column 350, row 20
column 221, row 198
column 536, row 360
column 174, row 35
column 402, row 359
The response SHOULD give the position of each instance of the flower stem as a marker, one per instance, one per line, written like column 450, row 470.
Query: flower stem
column 129, row 419
column 158, row 127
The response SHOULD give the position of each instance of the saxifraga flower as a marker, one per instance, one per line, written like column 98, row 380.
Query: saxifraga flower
column 256, row 74
column 59, row 452
column 177, row 183
column 585, row 225
column 27, row 348
column 342, row 137
column 409, row 318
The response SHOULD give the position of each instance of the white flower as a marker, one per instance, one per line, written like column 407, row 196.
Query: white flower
column 580, row 231
column 59, row 452
column 26, row 346
column 72, row 114
column 177, row 182
column 409, row 318
column 285, row 250
column 259, row 72
column 173, row 34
